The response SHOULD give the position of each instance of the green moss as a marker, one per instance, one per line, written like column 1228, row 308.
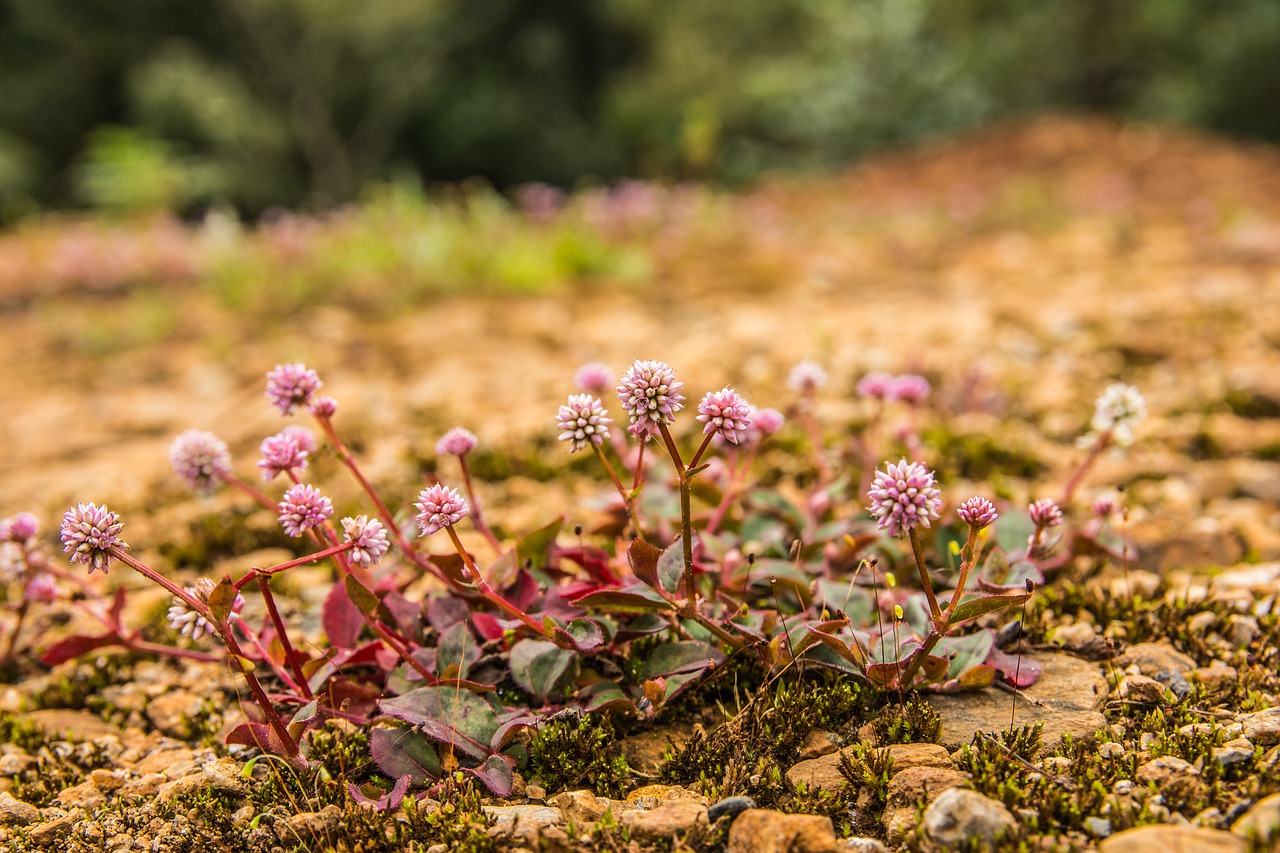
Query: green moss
column 80, row 688
column 226, row 534
column 913, row 721
column 980, row 456
column 1250, row 404
column 567, row 755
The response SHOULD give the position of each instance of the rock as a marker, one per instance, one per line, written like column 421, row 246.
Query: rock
column 85, row 795
column 1263, row 727
column 14, row 763
column 173, row 763
column 1153, row 659
column 861, row 845
column 960, row 816
column 1097, row 827
column 651, row 796
column 579, row 806
column 51, row 831
column 15, row 812
column 310, row 826
column 921, row 784
column 1083, row 640
column 525, row 822
column 819, row 743
column 823, row 774
column 72, row 725
column 144, row 786
column 535, row 792
column 1242, row 630
column 1173, row 777
column 172, row 712
column 1176, row 683
column 1261, row 821
column 1214, row 676
column 1144, row 839
column 768, row 831
column 1063, row 699
column 730, row 807
column 1229, row 756
column 1141, row 689
column 224, row 775
column 666, row 822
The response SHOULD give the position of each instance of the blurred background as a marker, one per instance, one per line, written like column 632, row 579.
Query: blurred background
column 254, row 105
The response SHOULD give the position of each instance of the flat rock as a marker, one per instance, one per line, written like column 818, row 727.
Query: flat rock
column 1155, row 659
column 1263, row 727
column 768, row 831
column 172, row 712
column 1063, row 699
column 580, row 806
column 961, row 816
column 819, row 743
column 14, row 812
column 667, row 821
column 823, row 774
column 1157, row 837
column 1261, row 821
column 72, row 725
column 921, row 784
column 523, row 821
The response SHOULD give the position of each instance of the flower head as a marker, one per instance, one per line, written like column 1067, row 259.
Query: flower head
column 903, row 496
column 439, row 507
column 977, row 513
column 582, row 419
column 909, row 388
column 875, row 385
column 807, row 377
column 650, row 394
column 306, row 438
column 1105, row 506
column 42, row 588
column 19, row 528
column 767, row 421
column 456, row 442
column 323, row 407
column 1117, row 411
column 291, row 385
column 368, row 539
column 90, row 533
column 190, row 623
column 594, row 377
column 281, row 454
column 302, row 508
column 725, row 414
column 1045, row 513
column 200, row 458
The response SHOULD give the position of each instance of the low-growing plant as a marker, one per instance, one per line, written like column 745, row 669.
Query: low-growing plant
column 693, row 566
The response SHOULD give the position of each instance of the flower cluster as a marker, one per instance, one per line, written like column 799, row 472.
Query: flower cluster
column 302, row 508
column 581, row 420
column 282, row 454
column 439, row 507
column 1045, row 513
column 1117, row 411
column 456, row 442
column 977, row 513
column 368, row 539
column 807, row 377
column 903, row 496
column 291, row 385
column 725, row 414
column 909, row 388
column 201, row 459
column 90, row 534
column 593, row 378
column 191, row 623
column 650, row 394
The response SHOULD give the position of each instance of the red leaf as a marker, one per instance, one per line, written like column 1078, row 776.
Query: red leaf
column 260, row 735
column 76, row 645
column 487, row 626
column 341, row 619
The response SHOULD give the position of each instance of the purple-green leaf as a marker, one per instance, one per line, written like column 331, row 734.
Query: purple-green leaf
column 680, row 657
column 541, row 667
column 404, row 752
column 643, row 558
column 532, row 548
column 982, row 605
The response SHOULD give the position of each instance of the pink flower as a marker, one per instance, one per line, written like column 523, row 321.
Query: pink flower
column 281, row 454
column 977, row 513
column 725, row 414
column 876, row 385
column 439, row 507
column 1045, row 513
column 323, row 407
column 909, row 388
column 651, row 396
column 42, row 588
column 904, row 496
column 306, row 438
column 594, row 377
column 291, row 385
column 456, row 442
column 368, row 539
column 90, row 534
column 302, row 508
column 807, row 377
column 581, row 420
column 19, row 528
column 201, row 459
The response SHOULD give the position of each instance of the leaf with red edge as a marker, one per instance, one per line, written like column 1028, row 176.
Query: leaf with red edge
column 982, row 605
column 532, row 548
column 361, row 596
column 306, row 717
column 637, row 598
column 644, row 558
column 487, row 626
column 585, row 634
column 260, row 735
column 510, row 728
column 388, row 801
column 404, row 752
column 340, row 618
column 593, row 560
column 681, row 657
column 77, row 644
column 1020, row 673
column 222, row 600
column 406, row 615
column 496, row 773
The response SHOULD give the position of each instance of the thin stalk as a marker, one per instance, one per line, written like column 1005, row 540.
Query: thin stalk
column 252, row 492
column 259, row 695
column 17, row 628
column 152, row 575
column 477, row 517
column 968, row 556
column 918, row 552
column 290, row 655
column 686, row 512
column 1068, row 491
column 628, row 498
column 290, row 564
column 491, row 595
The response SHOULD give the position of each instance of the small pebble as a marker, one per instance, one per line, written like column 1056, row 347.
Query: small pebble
column 731, row 806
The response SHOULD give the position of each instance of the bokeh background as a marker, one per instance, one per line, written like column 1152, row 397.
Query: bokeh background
column 253, row 105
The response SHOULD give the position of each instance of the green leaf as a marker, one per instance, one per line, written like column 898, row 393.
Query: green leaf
column 404, row 750
column 457, row 648
column 980, row 606
column 636, row 598
column 671, row 567
column 364, row 600
column 458, row 718
column 965, row 652
column 680, row 657
column 1012, row 530
column 778, row 506
column 532, row 548
column 542, row 668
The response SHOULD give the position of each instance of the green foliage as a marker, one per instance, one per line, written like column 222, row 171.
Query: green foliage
column 20, row 732
column 868, row 769
column 913, row 721
column 585, row 753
